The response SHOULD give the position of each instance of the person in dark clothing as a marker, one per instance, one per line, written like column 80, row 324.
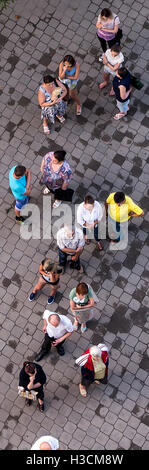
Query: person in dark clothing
column 32, row 377
column 122, row 88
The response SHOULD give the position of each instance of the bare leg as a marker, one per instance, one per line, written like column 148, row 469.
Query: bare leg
column 75, row 97
column 106, row 80
column 40, row 284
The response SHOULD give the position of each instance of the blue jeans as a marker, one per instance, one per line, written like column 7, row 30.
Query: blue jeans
column 118, row 231
column 63, row 260
column 87, row 232
column 123, row 107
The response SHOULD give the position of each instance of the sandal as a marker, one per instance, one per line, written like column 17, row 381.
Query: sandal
column 111, row 93
column 41, row 407
column 83, row 329
column 119, row 116
column 56, row 204
column 61, row 119
column 46, row 191
column 79, row 110
column 75, row 326
column 101, row 85
column 83, row 391
column 100, row 247
column 46, row 130
column 87, row 241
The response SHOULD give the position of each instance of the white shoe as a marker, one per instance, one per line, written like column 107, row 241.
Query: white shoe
column 46, row 191
column 56, row 204
column 101, row 58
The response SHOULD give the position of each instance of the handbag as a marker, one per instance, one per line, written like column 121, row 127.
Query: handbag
column 136, row 82
column 64, row 195
column 30, row 395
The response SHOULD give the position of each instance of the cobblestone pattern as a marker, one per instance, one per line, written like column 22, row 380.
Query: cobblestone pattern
column 105, row 155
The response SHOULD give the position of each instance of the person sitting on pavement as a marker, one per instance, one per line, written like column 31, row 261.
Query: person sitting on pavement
column 57, row 328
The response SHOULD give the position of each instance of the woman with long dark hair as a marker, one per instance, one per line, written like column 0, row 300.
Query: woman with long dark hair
column 69, row 71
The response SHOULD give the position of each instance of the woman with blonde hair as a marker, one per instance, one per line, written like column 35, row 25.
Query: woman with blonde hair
column 108, row 30
column 50, row 273
column 94, row 367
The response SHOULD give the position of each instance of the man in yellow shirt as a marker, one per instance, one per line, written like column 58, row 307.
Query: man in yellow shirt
column 119, row 209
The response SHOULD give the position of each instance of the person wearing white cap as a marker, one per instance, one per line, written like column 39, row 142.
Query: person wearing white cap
column 46, row 443
column 94, row 367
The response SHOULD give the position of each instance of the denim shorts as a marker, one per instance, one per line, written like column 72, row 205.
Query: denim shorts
column 123, row 107
column 20, row 203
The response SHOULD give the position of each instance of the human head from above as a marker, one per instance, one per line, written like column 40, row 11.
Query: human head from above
column 69, row 230
column 106, row 14
column 45, row 446
column 81, row 290
column 115, row 50
column 69, row 61
column 29, row 368
column 58, row 156
column 95, row 353
column 54, row 320
column 48, row 80
column 89, row 203
column 19, row 171
column 122, row 72
column 50, row 266
column 119, row 198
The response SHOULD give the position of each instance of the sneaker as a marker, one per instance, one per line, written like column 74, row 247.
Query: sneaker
column 20, row 219
column 101, row 58
column 31, row 297
column 51, row 299
column 60, row 350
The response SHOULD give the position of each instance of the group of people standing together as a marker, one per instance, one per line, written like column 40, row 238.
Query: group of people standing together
column 54, row 94
column 56, row 175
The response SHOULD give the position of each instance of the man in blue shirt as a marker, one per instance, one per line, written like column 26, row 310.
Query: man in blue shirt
column 122, row 88
column 19, row 182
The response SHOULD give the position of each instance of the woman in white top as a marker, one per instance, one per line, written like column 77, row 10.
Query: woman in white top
column 46, row 443
column 89, row 214
column 112, row 60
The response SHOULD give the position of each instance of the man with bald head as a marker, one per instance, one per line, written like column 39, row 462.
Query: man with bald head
column 46, row 443
column 57, row 329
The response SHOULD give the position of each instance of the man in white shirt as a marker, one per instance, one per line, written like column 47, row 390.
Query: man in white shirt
column 70, row 242
column 46, row 443
column 56, row 328
column 89, row 214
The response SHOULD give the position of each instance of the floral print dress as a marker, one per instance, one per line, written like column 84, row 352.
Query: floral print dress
column 55, row 179
column 50, row 112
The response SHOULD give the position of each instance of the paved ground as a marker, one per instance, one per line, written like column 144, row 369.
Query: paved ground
column 105, row 155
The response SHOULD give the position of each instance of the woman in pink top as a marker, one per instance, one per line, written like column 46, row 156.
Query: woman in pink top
column 107, row 29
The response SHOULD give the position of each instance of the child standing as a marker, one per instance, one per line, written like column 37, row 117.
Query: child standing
column 50, row 274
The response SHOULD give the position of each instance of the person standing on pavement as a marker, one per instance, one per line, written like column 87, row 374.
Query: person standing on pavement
column 50, row 274
column 69, row 71
column 120, row 208
column 57, row 328
column 56, row 175
column 81, row 303
column 122, row 89
column 70, row 242
column 94, row 367
column 112, row 61
column 46, row 443
column 107, row 30
column 20, row 185
column 32, row 377
column 89, row 215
